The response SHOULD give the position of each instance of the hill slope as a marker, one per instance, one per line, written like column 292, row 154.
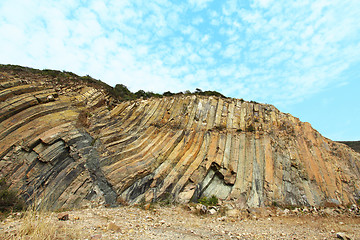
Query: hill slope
column 353, row 144
column 66, row 143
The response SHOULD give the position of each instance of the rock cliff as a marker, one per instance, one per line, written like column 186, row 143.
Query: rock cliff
column 66, row 143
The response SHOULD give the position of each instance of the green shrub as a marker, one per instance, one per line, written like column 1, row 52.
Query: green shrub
column 9, row 199
column 212, row 201
column 203, row 200
column 123, row 92
column 250, row 128
column 168, row 94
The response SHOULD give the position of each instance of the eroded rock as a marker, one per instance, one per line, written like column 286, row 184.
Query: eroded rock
column 81, row 147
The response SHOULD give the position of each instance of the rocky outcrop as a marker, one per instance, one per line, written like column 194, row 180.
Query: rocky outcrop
column 66, row 144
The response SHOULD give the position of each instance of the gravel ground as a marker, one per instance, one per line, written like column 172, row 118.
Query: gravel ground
column 179, row 222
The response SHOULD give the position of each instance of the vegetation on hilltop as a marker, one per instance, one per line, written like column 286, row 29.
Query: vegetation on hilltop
column 120, row 91
column 353, row 144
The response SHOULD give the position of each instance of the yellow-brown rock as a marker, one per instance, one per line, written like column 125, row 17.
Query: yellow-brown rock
column 67, row 143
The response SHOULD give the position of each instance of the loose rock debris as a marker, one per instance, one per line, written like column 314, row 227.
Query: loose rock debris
column 181, row 222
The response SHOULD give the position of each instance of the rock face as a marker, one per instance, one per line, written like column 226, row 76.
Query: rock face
column 67, row 143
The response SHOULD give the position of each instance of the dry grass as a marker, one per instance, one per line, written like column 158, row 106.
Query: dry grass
column 40, row 226
column 174, row 222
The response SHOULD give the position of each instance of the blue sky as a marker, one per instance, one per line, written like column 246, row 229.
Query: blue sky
column 301, row 56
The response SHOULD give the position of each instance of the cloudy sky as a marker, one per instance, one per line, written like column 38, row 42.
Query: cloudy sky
column 302, row 56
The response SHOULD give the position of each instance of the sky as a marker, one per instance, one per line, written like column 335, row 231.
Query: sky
column 302, row 56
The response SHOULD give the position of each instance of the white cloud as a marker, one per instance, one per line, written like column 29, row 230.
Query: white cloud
column 197, row 20
column 231, row 51
column 205, row 38
column 215, row 22
column 199, row 4
column 263, row 3
column 230, row 7
column 272, row 51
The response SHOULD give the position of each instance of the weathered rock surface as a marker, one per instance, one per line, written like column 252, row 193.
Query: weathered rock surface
column 65, row 144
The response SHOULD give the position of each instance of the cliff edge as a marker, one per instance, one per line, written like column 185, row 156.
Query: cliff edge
column 66, row 142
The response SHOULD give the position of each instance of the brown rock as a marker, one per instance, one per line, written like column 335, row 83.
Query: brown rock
column 342, row 235
column 147, row 206
column 168, row 149
column 63, row 216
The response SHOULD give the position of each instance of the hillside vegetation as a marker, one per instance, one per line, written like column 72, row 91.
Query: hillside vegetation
column 119, row 91
column 353, row 144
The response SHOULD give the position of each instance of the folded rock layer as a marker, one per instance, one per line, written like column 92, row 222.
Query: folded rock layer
column 67, row 143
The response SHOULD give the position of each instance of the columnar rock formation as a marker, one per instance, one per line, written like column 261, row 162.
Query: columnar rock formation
column 65, row 143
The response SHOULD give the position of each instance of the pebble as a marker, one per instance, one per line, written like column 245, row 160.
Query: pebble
column 212, row 211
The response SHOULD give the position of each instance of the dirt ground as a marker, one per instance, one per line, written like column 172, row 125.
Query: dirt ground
column 179, row 222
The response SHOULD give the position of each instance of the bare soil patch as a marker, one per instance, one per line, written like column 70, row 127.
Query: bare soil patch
column 177, row 222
